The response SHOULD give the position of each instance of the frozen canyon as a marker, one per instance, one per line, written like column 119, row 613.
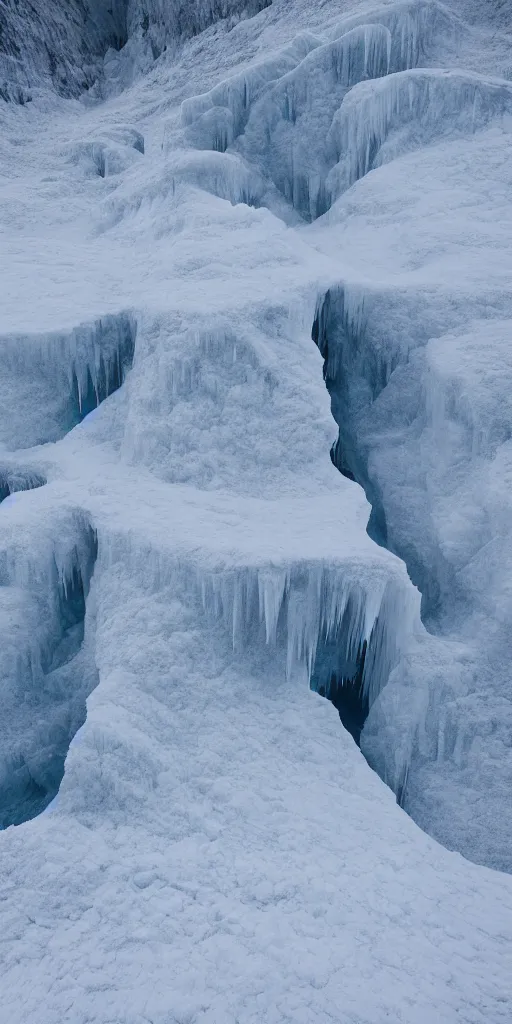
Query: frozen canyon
column 255, row 452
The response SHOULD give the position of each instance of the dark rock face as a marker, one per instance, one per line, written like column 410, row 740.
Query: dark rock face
column 54, row 44
column 48, row 43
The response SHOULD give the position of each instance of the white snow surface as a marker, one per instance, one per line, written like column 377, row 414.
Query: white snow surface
column 206, row 843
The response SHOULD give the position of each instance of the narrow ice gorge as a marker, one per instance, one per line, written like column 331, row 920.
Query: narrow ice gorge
column 254, row 453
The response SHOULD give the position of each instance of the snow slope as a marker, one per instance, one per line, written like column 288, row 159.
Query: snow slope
column 189, row 834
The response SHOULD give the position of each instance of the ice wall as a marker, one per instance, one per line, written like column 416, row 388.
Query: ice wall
column 214, row 406
column 294, row 611
column 51, row 381
column 46, row 664
column 285, row 115
column 435, row 414
column 44, row 43
column 48, row 44
column 166, row 21
column 378, row 121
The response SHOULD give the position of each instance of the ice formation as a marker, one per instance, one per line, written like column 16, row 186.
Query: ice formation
column 380, row 120
column 51, row 381
column 189, row 234
column 290, row 111
column 45, row 670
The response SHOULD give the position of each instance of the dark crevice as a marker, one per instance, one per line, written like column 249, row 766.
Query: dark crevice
column 340, row 682
column 355, row 375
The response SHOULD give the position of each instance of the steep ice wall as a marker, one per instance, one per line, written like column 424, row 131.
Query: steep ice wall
column 285, row 119
column 380, row 120
column 44, row 43
column 158, row 23
column 427, row 432
column 47, row 43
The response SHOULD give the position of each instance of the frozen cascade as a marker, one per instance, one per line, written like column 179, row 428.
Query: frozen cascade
column 216, row 118
column 415, row 27
column 287, row 129
column 286, row 119
column 46, row 666
column 297, row 610
column 184, row 577
column 50, row 382
column 379, row 120
column 444, row 715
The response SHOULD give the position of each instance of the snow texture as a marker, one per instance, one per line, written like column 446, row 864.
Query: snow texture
column 203, row 206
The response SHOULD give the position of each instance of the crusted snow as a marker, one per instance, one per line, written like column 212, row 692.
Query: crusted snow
column 206, row 843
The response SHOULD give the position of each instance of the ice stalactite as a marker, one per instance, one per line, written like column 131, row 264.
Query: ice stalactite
column 379, row 120
column 52, row 381
column 47, row 664
column 287, row 128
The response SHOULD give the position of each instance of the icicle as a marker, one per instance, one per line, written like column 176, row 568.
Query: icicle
column 435, row 102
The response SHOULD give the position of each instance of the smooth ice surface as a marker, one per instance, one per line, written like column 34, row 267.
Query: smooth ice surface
column 189, row 834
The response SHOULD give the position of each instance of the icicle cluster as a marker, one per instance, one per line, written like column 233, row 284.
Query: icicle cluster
column 311, row 604
column 429, row 102
column 13, row 479
column 362, row 53
column 414, row 25
column 298, row 608
column 287, row 114
column 219, row 116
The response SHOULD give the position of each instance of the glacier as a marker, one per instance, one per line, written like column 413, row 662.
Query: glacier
column 255, row 464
